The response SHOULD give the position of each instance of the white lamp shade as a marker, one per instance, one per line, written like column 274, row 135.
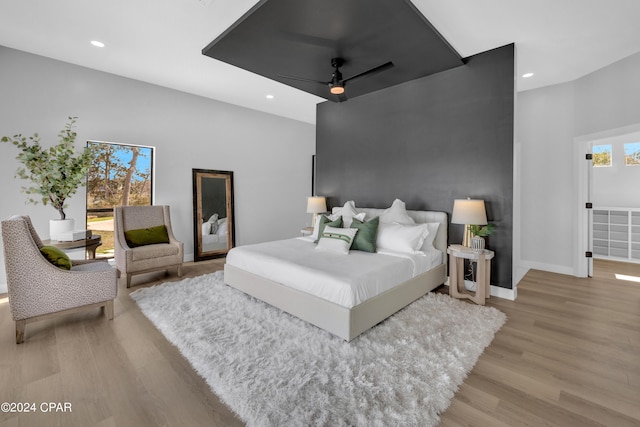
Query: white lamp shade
column 469, row 211
column 316, row 205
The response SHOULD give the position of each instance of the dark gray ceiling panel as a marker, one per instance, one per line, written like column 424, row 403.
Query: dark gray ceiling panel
column 300, row 37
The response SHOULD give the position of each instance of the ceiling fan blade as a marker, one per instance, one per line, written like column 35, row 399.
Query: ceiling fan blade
column 301, row 79
column 371, row 72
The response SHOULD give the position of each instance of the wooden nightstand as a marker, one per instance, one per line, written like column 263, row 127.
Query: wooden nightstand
column 457, row 255
column 307, row 231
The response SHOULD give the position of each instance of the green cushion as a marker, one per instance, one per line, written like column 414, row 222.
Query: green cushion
column 324, row 221
column 366, row 236
column 56, row 257
column 147, row 236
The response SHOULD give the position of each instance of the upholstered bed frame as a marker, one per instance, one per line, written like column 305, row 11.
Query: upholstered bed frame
column 347, row 323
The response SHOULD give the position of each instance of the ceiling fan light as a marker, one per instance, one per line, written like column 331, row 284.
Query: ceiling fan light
column 337, row 89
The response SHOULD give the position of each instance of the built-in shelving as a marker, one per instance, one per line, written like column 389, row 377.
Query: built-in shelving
column 616, row 233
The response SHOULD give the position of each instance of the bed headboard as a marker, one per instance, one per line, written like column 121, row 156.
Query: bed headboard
column 440, row 241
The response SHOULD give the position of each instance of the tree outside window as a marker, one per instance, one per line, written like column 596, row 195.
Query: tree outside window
column 120, row 175
column 632, row 154
column 602, row 155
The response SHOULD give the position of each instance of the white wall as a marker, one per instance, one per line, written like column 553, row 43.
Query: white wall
column 550, row 120
column 617, row 185
column 545, row 132
column 269, row 155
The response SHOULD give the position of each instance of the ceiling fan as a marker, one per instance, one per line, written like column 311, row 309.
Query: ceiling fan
column 337, row 83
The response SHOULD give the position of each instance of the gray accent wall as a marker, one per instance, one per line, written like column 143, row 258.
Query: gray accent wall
column 37, row 94
column 428, row 142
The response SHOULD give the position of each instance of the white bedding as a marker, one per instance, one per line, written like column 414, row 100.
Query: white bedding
column 213, row 242
column 346, row 280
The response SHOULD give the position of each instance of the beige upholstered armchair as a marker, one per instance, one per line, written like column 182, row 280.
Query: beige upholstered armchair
column 38, row 289
column 148, row 257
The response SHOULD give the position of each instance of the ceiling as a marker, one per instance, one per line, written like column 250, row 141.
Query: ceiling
column 299, row 39
column 160, row 41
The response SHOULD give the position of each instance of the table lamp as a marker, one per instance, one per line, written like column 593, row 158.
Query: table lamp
column 316, row 205
column 468, row 212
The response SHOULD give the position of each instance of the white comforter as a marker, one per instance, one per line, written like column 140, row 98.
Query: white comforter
column 346, row 280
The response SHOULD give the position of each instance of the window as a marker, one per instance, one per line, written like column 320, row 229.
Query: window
column 602, row 155
column 119, row 175
column 632, row 154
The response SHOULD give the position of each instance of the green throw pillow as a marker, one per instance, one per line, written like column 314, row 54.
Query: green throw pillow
column 147, row 236
column 324, row 221
column 366, row 236
column 56, row 257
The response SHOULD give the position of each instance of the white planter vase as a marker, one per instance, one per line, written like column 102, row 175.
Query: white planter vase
column 477, row 243
column 59, row 229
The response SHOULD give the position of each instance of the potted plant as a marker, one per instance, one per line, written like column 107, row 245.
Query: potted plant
column 479, row 232
column 56, row 172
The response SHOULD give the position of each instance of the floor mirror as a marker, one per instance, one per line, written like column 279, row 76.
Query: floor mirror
column 213, row 222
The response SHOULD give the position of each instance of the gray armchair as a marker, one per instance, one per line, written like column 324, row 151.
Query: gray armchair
column 142, row 259
column 39, row 290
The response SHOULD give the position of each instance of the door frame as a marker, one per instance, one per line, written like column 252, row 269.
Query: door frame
column 583, row 184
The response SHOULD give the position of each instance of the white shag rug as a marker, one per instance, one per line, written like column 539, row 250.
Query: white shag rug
column 273, row 369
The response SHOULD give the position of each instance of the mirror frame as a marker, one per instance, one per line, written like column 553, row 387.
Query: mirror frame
column 198, row 175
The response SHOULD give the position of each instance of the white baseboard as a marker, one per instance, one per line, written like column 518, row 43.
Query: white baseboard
column 519, row 274
column 504, row 293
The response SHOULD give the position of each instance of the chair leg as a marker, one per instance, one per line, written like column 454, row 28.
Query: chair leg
column 179, row 270
column 129, row 280
column 108, row 309
column 20, row 327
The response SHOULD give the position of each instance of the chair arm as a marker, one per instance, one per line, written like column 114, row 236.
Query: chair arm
column 46, row 288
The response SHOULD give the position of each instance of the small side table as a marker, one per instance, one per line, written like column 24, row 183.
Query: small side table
column 90, row 244
column 457, row 255
column 307, row 231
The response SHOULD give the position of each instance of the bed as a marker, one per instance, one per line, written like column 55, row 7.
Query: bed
column 214, row 234
column 345, row 316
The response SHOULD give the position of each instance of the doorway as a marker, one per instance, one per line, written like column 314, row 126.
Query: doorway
column 609, row 200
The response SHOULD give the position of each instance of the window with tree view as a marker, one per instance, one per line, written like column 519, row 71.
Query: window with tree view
column 602, row 155
column 632, row 154
column 120, row 175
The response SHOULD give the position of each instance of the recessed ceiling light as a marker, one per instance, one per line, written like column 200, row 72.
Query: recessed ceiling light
column 96, row 43
column 527, row 75
column 270, row 96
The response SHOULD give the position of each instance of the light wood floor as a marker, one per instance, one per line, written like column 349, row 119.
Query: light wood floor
column 569, row 355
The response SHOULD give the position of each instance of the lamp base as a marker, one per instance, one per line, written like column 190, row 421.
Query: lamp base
column 466, row 237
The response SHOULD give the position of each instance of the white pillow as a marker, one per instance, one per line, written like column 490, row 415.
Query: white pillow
column 347, row 220
column 401, row 237
column 336, row 240
column 213, row 218
column 221, row 227
column 397, row 213
column 316, row 227
column 206, row 228
column 347, row 212
column 433, row 231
